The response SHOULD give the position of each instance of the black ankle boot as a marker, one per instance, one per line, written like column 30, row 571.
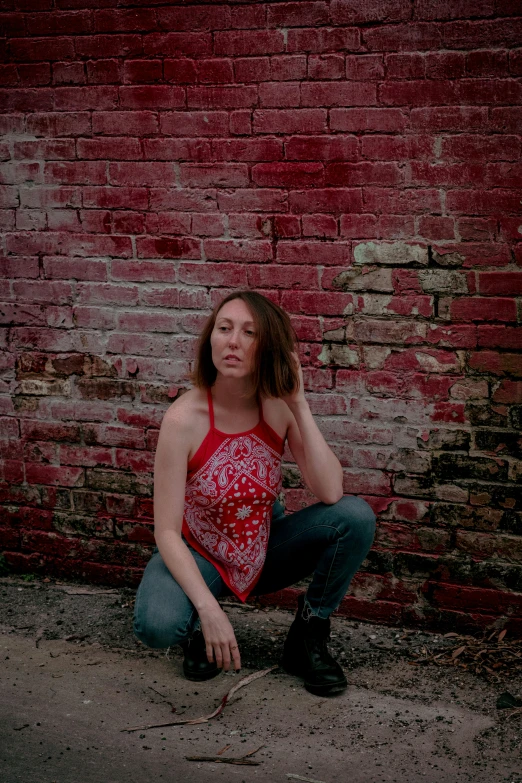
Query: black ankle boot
column 306, row 654
column 196, row 665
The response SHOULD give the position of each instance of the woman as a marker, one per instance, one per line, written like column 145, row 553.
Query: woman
column 219, row 528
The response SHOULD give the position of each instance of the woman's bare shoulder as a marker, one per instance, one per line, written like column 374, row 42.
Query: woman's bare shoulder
column 186, row 409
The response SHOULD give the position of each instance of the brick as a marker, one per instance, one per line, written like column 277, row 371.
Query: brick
column 214, row 123
column 247, row 149
column 137, row 173
column 314, row 148
column 313, row 253
column 167, row 247
column 147, row 71
column 476, row 229
column 77, row 172
column 237, row 250
column 27, row 100
column 19, row 267
column 206, row 18
column 194, row 200
column 365, row 67
column 151, row 96
column 500, row 283
column 245, row 17
column 507, row 175
column 103, row 72
column 345, row 94
column 487, row 63
column 226, row 175
column 406, row 66
column 180, row 71
column 215, row 71
column 69, row 73
column 241, row 123
column 437, row 228
column 249, row 42
column 508, row 337
column 319, row 226
column 327, row 200
column 323, row 39
column 168, row 223
column 177, row 149
column 480, row 148
column 483, row 202
column 454, row 118
column 115, row 198
column 252, row 69
column 508, row 392
column 288, row 174
column 286, row 67
column 478, row 309
column 253, row 200
column 350, row 12
column 249, row 225
column 221, row 97
column 175, row 44
column 135, row 123
column 53, row 149
column 117, row 148
column 82, row 98
column 285, row 226
column 506, row 119
column 286, row 277
column 38, row 49
column 54, row 475
column 365, row 173
column 326, row 66
column 496, row 363
column 281, row 121
column 83, row 245
column 310, row 303
column 445, row 65
column 217, row 274
column 109, row 293
column 353, row 120
column 114, row 21
column 279, row 94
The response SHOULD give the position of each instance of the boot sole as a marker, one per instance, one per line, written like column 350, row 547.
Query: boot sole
column 201, row 676
column 318, row 690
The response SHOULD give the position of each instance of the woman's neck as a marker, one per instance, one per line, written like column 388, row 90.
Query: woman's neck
column 234, row 394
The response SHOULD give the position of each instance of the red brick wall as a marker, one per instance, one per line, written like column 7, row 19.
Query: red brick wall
column 359, row 162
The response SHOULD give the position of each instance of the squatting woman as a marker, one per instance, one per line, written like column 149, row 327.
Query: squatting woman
column 219, row 527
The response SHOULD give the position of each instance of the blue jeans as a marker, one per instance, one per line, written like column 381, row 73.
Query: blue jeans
column 328, row 541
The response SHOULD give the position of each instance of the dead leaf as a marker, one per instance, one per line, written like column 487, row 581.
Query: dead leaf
column 502, row 634
column 458, row 651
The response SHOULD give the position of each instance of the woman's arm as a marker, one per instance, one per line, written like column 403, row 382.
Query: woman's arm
column 318, row 464
column 170, row 475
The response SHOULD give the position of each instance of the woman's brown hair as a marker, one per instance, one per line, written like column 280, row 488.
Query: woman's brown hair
column 275, row 371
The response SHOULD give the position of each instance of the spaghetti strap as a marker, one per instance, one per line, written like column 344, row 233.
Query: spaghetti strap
column 210, row 408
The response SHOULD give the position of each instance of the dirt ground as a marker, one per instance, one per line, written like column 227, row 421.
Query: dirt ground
column 74, row 680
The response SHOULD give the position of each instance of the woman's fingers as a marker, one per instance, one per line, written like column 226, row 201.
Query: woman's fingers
column 236, row 656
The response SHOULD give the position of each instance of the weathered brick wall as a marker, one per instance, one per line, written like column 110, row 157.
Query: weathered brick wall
column 359, row 162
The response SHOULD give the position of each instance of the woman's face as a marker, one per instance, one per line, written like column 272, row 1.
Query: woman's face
column 233, row 340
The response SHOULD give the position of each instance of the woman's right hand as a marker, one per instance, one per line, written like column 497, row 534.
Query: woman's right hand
column 220, row 638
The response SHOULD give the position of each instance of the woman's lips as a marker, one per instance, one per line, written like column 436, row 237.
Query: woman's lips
column 232, row 359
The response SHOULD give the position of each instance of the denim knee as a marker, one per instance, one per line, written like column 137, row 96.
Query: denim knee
column 356, row 520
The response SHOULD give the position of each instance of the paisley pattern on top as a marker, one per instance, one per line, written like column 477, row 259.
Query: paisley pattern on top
column 229, row 499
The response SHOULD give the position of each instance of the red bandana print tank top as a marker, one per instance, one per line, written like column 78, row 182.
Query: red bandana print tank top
column 232, row 482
